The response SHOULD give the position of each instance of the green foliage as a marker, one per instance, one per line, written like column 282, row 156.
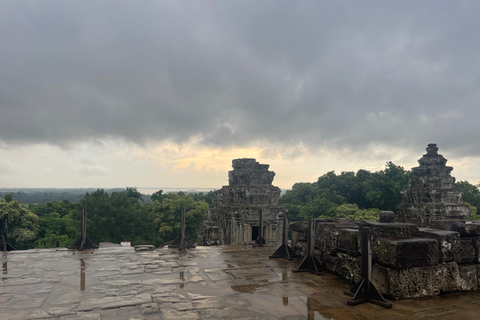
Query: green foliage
column 22, row 224
column 167, row 216
column 367, row 214
column 56, row 223
column 473, row 212
column 349, row 194
column 8, row 197
column 347, row 210
column 351, row 211
column 471, row 194
column 158, row 196
column 383, row 187
column 111, row 217
column 50, row 240
column 207, row 197
column 116, row 217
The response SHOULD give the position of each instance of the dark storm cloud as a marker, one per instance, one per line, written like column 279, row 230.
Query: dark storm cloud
column 343, row 74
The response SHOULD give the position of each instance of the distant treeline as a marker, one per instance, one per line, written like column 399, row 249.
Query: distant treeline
column 38, row 219
column 42, row 196
column 111, row 217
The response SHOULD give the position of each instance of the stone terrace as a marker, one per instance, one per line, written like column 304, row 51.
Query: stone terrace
column 229, row 282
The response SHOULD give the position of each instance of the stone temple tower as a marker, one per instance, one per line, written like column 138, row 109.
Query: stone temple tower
column 432, row 194
column 234, row 218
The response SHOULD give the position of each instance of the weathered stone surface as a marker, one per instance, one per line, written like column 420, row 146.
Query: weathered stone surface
column 331, row 263
column 405, row 253
column 468, row 278
column 144, row 248
column 467, row 251
column 392, row 230
column 348, row 240
column 234, row 218
column 114, row 302
column 172, row 314
column 432, row 194
column 387, row 216
column 448, row 243
column 464, row 227
column 425, row 281
column 149, row 308
column 349, row 268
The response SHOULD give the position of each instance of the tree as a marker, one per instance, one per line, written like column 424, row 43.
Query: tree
column 22, row 223
column 167, row 216
column 384, row 187
column 471, row 193
column 347, row 210
column 8, row 197
column 117, row 217
column 158, row 196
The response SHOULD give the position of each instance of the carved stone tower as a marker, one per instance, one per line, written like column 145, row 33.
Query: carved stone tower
column 234, row 218
column 432, row 194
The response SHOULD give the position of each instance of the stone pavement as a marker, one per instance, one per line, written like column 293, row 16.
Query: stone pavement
column 229, row 282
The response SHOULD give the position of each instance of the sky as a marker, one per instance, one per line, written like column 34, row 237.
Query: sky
column 168, row 93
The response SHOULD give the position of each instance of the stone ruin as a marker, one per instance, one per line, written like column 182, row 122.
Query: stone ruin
column 435, row 250
column 234, row 218
column 432, row 194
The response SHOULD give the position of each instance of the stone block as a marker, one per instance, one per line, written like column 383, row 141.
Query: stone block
column 387, row 217
column 477, row 270
column 328, row 242
column 405, row 253
column 476, row 246
column 392, row 230
column 349, row 268
column 409, row 282
column 464, row 227
column 348, row 240
column 450, row 275
column 448, row 243
column 468, row 277
column 331, row 263
column 424, row 281
column 379, row 278
column 467, row 251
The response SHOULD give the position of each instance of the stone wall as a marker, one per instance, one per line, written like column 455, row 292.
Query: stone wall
column 408, row 261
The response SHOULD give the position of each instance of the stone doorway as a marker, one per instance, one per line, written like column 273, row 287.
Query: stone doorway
column 255, row 230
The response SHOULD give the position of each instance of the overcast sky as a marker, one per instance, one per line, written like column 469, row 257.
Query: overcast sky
column 167, row 93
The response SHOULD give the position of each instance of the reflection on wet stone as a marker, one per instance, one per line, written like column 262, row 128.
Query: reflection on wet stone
column 182, row 278
column 82, row 275
column 255, row 289
column 5, row 270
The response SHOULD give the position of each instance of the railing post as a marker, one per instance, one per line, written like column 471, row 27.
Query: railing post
column 260, row 240
column 309, row 262
column 365, row 291
column 6, row 246
column 181, row 242
column 284, row 251
column 83, row 243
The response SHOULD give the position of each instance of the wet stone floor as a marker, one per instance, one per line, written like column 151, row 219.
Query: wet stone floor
column 228, row 282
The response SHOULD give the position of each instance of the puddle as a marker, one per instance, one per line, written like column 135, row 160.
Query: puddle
column 5, row 270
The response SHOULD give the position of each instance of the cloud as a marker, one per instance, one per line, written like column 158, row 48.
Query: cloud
column 236, row 74
column 89, row 169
